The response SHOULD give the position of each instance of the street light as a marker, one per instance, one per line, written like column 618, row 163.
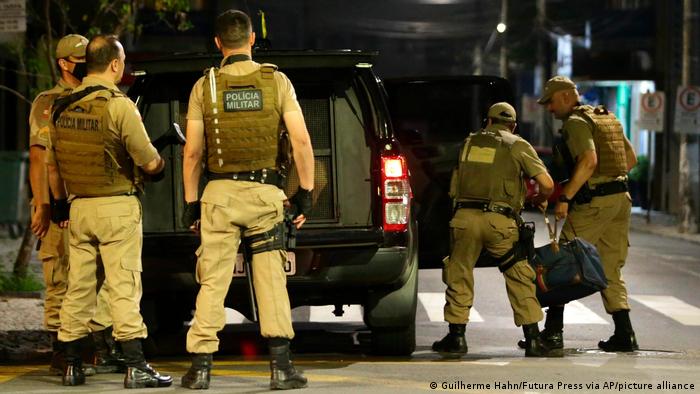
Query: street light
column 501, row 27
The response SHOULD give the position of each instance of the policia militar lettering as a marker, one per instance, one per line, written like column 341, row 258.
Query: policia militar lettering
column 100, row 171
column 489, row 191
column 235, row 114
column 595, row 157
column 53, row 249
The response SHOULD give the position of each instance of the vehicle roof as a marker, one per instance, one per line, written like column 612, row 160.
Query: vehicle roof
column 438, row 78
column 183, row 62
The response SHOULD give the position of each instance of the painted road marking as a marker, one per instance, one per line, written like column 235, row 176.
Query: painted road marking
column 672, row 307
column 577, row 313
column 433, row 304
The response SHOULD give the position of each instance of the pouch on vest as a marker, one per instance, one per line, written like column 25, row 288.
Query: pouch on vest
column 242, row 121
column 91, row 163
column 487, row 171
column 609, row 140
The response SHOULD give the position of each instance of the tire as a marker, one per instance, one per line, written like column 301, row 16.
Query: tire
column 395, row 341
column 392, row 315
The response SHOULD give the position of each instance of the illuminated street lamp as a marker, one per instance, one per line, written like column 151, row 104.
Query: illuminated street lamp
column 501, row 27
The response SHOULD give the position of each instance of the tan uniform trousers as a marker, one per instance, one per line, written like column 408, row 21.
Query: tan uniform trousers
column 230, row 208
column 112, row 226
column 54, row 255
column 605, row 223
column 472, row 230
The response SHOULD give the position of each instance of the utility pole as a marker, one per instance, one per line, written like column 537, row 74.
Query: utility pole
column 540, row 71
column 503, row 61
column 687, row 223
column 477, row 60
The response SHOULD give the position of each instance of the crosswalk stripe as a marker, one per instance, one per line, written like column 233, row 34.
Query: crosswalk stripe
column 671, row 307
column 433, row 304
column 352, row 313
column 235, row 317
column 577, row 313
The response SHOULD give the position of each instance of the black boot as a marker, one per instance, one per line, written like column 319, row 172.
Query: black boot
column 108, row 358
column 535, row 346
column 198, row 376
column 138, row 373
column 73, row 374
column 283, row 376
column 58, row 353
column 454, row 344
column 552, row 335
column 623, row 340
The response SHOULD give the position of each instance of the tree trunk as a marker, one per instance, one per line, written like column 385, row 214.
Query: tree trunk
column 25, row 252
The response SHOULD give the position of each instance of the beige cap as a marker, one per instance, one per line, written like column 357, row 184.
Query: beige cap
column 71, row 45
column 555, row 84
column 502, row 111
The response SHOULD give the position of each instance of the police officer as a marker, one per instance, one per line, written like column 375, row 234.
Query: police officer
column 99, row 142
column 235, row 113
column 489, row 191
column 594, row 201
column 70, row 58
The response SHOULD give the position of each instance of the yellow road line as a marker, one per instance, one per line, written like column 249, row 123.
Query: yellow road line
column 9, row 372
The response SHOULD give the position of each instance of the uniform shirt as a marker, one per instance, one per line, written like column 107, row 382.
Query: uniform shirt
column 578, row 134
column 124, row 124
column 286, row 96
column 522, row 152
column 41, row 112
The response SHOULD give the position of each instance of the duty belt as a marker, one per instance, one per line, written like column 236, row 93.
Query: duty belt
column 488, row 207
column 266, row 176
column 608, row 188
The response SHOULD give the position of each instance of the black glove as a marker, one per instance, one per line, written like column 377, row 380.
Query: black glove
column 156, row 177
column 191, row 214
column 60, row 210
column 300, row 203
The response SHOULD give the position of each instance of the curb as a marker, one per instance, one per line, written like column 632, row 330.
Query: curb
column 21, row 294
column 664, row 231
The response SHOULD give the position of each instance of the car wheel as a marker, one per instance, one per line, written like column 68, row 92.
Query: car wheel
column 394, row 341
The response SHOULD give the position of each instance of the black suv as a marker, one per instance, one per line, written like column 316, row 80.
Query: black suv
column 359, row 245
column 431, row 118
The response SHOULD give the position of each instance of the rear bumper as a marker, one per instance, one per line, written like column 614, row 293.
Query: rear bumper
column 335, row 272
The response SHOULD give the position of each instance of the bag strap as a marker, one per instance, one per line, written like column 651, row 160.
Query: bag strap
column 552, row 232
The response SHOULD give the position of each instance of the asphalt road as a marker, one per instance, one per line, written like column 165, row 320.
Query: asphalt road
column 663, row 277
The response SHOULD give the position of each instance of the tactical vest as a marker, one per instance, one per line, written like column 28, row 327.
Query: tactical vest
column 608, row 138
column 242, row 128
column 487, row 171
column 91, row 163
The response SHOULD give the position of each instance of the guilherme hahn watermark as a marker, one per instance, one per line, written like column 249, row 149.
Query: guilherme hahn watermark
column 525, row 385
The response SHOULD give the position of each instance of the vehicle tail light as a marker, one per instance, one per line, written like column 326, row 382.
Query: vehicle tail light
column 396, row 193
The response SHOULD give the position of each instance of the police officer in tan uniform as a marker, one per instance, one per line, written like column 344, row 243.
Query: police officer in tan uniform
column 98, row 145
column 235, row 112
column 489, row 191
column 70, row 58
column 594, row 201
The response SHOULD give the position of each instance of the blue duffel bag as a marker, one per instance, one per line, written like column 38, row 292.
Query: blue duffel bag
column 572, row 273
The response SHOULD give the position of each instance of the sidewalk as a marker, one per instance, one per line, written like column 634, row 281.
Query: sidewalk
column 661, row 224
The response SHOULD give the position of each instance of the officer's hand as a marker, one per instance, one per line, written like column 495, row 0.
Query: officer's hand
column 40, row 220
column 191, row 215
column 561, row 210
column 542, row 206
column 300, row 204
column 156, row 177
column 60, row 211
